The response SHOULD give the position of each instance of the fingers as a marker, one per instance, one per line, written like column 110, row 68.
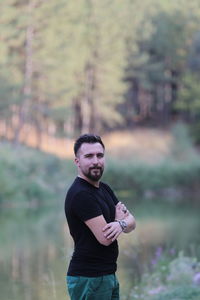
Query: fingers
column 121, row 206
column 121, row 211
column 112, row 230
column 126, row 214
column 124, row 209
column 111, row 234
column 114, row 236
column 106, row 227
column 118, row 207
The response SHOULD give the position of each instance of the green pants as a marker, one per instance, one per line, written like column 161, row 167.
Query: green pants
column 93, row 288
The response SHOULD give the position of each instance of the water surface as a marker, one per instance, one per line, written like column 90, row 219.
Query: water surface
column 36, row 247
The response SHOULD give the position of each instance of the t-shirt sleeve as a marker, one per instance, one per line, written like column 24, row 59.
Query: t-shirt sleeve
column 110, row 191
column 85, row 206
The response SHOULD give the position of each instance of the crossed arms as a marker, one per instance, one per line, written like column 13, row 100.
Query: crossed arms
column 105, row 232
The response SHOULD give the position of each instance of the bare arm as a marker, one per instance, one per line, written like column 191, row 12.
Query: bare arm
column 131, row 224
column 121, row 213
column 106, row 233
column 97, row 224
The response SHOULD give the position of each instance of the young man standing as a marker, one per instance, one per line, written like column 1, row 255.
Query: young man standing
column 95, row 218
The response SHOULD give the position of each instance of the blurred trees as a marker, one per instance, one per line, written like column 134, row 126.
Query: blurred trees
column 163, row 53
column 74, row 66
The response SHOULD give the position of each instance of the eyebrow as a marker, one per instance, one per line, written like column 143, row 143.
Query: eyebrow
column 102, row 153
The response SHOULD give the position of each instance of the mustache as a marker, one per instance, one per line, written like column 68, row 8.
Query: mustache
column 96, row 168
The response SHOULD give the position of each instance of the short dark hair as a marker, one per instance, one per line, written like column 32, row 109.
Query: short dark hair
column 87, row 138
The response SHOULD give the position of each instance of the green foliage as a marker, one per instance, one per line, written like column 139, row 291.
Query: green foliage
column 189, row 102
column 11, row 58
column 182, row 293
column 195, row 130
column 170, row 178
column 31, row 179
column 173, row 280
column 157, row 64
column 183, row 144
column 186, row 266
column 189, row 96
column 78, row 62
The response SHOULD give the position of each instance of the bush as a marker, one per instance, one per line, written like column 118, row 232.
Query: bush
column 170, row 280
column 156, row 180
column 34, row 178
column 174, row 175
column 195, row 132
column 31, row 178
column 186, row 292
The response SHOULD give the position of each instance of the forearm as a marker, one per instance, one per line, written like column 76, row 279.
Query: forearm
column 113, row 229
column 125, row 218
column 124, row 222
column 131, row 224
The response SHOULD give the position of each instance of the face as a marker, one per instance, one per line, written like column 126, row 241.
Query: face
column 90, row 161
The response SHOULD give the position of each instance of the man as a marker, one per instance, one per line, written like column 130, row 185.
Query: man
column 95, row 218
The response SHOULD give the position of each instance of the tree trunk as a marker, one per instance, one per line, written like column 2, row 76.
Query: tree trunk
column 27, row 90
column 77, row 122
column 88, row 110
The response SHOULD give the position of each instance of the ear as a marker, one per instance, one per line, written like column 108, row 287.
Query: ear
column 76, row 160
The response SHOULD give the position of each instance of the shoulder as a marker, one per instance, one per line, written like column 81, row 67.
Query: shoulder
column 75, row 195
column 78, row 186
column 80, row 192
column 107, row 187
column 109, row 190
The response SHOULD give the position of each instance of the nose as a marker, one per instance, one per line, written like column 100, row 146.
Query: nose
column 95, row 159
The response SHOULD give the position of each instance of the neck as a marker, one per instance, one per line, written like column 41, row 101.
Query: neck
column 94, row 183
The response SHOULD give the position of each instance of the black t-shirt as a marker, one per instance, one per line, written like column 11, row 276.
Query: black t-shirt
column 83, row 202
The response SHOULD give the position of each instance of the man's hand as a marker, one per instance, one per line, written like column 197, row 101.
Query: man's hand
column 121, row 211
column 112, row 231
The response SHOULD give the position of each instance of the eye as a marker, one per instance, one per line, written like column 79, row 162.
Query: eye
column 88, row 155
column 100, row 155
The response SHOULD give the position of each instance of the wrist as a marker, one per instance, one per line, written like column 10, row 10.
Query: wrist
column 122, row 223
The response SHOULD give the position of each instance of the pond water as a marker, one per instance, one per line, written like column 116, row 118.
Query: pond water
column 36, row 247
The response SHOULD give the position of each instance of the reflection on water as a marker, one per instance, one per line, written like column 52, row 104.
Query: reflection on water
column 33, row 256
column 35, row 249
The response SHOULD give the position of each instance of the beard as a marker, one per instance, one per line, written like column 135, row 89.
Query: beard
column 94, row 173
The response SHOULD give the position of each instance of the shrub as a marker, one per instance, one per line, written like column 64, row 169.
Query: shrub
column 172, row 281
column 31, row 178
column 141, row 179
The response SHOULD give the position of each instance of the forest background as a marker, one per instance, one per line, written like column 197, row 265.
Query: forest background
column 75, row 66
column 129, row 71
